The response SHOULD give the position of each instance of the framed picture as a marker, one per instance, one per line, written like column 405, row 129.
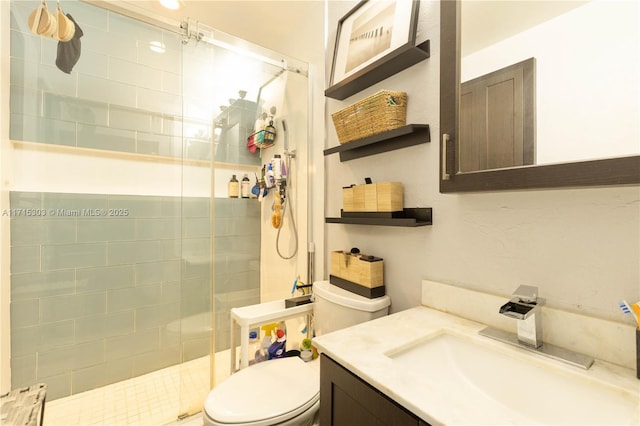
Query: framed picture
column 370, row 35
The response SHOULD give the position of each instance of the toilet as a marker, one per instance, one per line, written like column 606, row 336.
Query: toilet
column 286, row 391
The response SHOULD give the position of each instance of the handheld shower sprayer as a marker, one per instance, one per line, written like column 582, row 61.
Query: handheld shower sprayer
column 285, row 193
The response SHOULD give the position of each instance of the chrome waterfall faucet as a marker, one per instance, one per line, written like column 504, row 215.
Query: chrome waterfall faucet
column 525, row 307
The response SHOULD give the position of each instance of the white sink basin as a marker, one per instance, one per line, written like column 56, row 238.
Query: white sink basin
column 499, row 384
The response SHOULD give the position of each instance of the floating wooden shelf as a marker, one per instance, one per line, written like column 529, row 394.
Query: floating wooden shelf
column 409, row 217
column 402, row 137
column 400, row 59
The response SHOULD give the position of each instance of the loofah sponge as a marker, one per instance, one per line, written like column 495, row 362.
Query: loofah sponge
column 276, row 217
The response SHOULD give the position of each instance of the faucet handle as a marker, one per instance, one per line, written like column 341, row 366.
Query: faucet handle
column 526, row 294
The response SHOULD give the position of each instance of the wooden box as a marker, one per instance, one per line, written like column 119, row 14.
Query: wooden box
column 353, row 198
column 359, row 268
column 373, row 197
column 347, row 199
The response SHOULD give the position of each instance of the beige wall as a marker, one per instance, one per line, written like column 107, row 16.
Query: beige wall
column 580, row 246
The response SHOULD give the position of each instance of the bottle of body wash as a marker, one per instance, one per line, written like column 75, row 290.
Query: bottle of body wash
column 233, row 187
column 245, row 188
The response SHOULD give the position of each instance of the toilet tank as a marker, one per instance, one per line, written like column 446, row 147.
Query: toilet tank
column 335, row 308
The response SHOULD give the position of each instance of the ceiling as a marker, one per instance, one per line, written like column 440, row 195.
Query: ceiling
column 270, row 23
column 266, row 23
column 485, row 22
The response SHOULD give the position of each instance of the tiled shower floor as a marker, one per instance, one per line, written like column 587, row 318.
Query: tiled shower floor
column 152, row 399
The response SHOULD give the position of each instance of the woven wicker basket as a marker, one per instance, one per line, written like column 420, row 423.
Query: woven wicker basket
column 375, row 114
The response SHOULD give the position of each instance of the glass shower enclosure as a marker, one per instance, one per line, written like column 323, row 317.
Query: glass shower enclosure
column 126, row 251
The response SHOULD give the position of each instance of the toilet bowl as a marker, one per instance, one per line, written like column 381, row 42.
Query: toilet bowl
column 286, row 391
column 277, row 392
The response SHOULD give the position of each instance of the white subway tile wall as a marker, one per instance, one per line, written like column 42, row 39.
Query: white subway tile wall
column 122, row 95
column 97, row 300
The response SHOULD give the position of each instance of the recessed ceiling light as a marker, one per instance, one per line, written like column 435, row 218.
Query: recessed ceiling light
column 172, row 4
column 157, row 46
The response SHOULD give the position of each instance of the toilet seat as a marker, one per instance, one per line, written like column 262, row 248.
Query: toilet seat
column 271, row 393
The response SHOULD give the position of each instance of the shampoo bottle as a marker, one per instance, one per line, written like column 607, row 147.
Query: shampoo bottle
column 269, row 177
column 277, row 167
column 233, row 187
column 245, row 188
column 254, row 348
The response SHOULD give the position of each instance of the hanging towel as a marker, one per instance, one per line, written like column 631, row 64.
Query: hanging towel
column 69, row 51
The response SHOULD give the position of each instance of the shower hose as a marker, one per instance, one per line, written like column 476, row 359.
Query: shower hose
column 288, row 202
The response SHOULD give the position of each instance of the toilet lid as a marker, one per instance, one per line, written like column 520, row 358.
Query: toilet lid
column 267, row 390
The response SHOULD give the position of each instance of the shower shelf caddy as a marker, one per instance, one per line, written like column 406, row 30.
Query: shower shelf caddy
column 252, row 316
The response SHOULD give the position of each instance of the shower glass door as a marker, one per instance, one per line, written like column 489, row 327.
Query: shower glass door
column 110, row 221
column 127, row 252
column 227, row 85
column 195, row 334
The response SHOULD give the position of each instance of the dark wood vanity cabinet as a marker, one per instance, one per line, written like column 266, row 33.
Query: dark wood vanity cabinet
column 347, row 400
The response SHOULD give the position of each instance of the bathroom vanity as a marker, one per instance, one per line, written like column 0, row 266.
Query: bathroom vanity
column 350, row 400
column 425, row 366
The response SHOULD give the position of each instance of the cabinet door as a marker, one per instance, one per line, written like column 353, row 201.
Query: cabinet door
column 347, row 400
column 497, row 117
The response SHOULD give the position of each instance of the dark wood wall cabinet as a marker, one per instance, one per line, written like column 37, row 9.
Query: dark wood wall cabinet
column 607, row 171
column 347, row 400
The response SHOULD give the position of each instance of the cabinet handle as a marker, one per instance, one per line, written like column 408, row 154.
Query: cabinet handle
column 445, row 142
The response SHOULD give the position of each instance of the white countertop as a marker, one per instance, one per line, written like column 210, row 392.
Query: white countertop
column 362, row 348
